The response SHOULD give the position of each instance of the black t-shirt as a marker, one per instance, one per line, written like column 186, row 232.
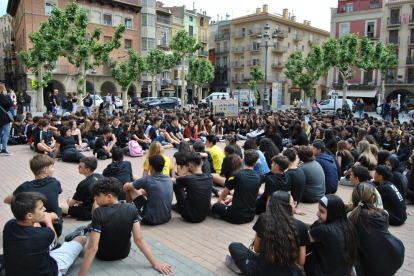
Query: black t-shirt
column 121, row 171
column 46, row 136
column 99, row 144
column 328, row 247
column 346, row 159
column 26, row 250
column 114, row 222
column 84, row 195
column 198, row 196
column 196, row 100
column 51, row 189
column 54, row 97
column 116, row 130
column 297, row 180
column 153, row 132
column 389, row 145
column 66, row 143
column 273, row 183
column 264, row 267
column 364, row 162
column 355, row 153
column 225, row 166
column 174, row 130
column 393, row 202
column 246, row 185
column 180, row 159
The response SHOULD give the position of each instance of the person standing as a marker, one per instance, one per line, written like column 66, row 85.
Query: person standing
column 87, row 103
column 361, row 106
column 196, row 100
column 385, row 109
column 64, row 103
column 300, row 103
column 394, row 110
column 315, row 106
column 403, row 109
column 75, row 101
column 249, row 103
column 20, row 103
column 55, row 102
column 28, row 102
column 5, row 105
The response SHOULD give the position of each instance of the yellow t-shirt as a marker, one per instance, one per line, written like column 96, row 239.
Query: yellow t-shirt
column 167, row 166
column 377, row 204
column 218, row 155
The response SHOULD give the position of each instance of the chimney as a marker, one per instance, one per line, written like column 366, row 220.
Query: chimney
column 218, row 18
column 258, row 10
column 193, row 5
column 293, row 18
column 265, row 8
column 305, row 22
column 285, row 13
column 309, row 23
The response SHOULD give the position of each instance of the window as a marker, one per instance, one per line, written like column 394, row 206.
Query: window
column 349, row 8
column 344, row 30
column 148, row 3
column 371, row 29
column 191, row 19
column 128, row 44
column 201, row 21
column 107, row 39
column 147, row 44
column 289, row 45
column 256, row 61
column 128, row 23
column 374, row 4
column 108, row 19
column 147, row 19
column 48, row 8
column 303, row 48
column 289, row 30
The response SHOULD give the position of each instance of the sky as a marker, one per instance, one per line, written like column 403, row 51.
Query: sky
column 3, row 7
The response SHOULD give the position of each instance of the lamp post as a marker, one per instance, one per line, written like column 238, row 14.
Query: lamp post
column 266, row 37
column 239, row 93
column 177, row 78
column 94, row 96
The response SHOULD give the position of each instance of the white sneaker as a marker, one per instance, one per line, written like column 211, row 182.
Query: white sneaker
column 232, row 265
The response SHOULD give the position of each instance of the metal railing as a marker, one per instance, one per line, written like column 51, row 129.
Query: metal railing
column 222, row 50
column 410, row 40
column 164, row 21
column 281, row 32
column 254, row 31
column 61, row 69
column 237, row 79
column 395, row 41
column 203, row 52
column 370, row 35
column 162, row 42
column 220, row 36
column 394, row 20
column 314, row 41
column 279, row 48
column 220, row 82
column 354, row 81
column 237, row 64
column 237, row 49
column 238, row 33
column 253, row 62
column 20, row 69
column 202, row 39
column 253, row 47
column 222, row 65
column 7, row 48
column 278, row 63
column 6, row 33
column 178, row 20
column 297, row 37
column 409, row 60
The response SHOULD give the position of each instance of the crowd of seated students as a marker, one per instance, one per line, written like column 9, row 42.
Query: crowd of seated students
column 298, row 158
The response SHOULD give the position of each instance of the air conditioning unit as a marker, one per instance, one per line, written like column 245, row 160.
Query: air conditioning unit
column 158, row 41
column 342, row 9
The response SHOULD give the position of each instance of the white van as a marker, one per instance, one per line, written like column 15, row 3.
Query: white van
column 213, row 96
column 328, row 105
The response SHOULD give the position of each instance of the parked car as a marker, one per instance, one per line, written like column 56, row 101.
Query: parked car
column 118, row 102
column 411, row 113
column 328, row 105
column 98, row 99
column 145, row 100
column 213, row 96
column 175, row 98
column 135, row 102
column 161, row 103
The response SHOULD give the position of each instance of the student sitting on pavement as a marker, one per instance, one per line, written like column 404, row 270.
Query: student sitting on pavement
column 120, row 169
column 163, row 137
column 80, row 204
column 44, row 183
column 175, row 133
column 28, row 249
column 157, row 148
column 328, row 165
column 207, row 166
column 216, row 153
column 46, row 140
column 297, row 177
column 193, row 203
column 278, row 181
column 392, row 200
column 111, row 227
column 227, row 168
column 155, row 206
column 246, row 184
column 261, row 167
column 102, row 147
column 17, row 133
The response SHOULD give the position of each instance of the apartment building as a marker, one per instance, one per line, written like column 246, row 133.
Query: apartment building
column 7, row 53
column 106, row 14
column 222, row 56
column 398, row 28
column 364, row 18
column 292, row 36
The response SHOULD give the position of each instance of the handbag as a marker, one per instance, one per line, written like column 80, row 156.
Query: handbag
column 9, row 114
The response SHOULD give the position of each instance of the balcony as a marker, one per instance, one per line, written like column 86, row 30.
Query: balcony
column 279, row 78
column 393, row 40
column 282, row 33
column 202, row 39
column 7, row 47
column 237, row 50
column 20, row 69
column 394, row 21
column 222, row 51
column 13, row 35
column 253, row 48
column 355, row 82
column 237, row 64
column 297, row 37
column 411, row 19
column 220, row 82
column 279, row 49
column 370, row 35
column 278, row 65
column 409, row 61
column 164, row 21
column 6, row 33
column 238, row 34
column 163, row 43
column 313, row 41
column 203, row 53
column 221, row 36
column 410, row 40
column 243, row 79
column 178, row 20
column 222, row 65
column 61, row 69
column 254, row 62
column 254, row 31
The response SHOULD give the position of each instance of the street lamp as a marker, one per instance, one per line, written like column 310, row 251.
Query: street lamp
column 239, row 93
column 177, row 78
column 266, row 37
column 94, row 96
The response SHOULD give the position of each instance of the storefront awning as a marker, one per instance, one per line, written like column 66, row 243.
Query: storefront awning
column 356, row 93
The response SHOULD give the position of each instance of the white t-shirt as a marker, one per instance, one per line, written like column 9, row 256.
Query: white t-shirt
column 213, row 130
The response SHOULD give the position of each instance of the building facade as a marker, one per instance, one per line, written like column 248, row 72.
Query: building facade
column 7, row 53
column 107, row 15
column 292, row 36
column 364, row 18
column 222, row 57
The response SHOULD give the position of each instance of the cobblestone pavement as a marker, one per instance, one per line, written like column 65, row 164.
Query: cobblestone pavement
column 192, row 249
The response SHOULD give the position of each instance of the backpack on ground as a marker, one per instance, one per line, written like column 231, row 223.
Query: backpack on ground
column 135, row 149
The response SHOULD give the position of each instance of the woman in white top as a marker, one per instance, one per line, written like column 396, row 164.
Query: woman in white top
column 217, row 129
column 75, row 101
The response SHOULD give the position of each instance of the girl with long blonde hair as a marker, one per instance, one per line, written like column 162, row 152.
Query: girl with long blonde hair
column 154, row 149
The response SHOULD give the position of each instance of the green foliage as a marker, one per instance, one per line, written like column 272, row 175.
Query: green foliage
column 256, row 75
column 201, row 71
column 305, row 72
column 182, row 43
column 158, row 60
column 384, row 59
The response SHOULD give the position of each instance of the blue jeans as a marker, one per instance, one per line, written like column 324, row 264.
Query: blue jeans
column 64, row 110
column 54, row 110
column 13, row 111
column 88, row 110
column 5, row 130
column 28, row 107
column 161, row 140
column 250, row 108
column 403, row 114
column 360, row 113
column 314, row 110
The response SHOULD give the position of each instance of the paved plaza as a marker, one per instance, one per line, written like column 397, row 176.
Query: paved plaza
column 191, row 249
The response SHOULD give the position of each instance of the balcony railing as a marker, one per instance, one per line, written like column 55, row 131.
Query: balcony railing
column 409, row 60
column 278, row 64
column 203, row 52
column 370, row 35
column 253, row 47
column 220, row 82
column 221, row 36
column 395, row 41
column 237, row 49
column 222, row 50
column 202, row 39
column 355, row 81
column 222, row 65
column 7, row 48
column 254, row 31
column 20, row 69
column 61, row 69
column 411, row 19
column 410, row 40
column 238, row 33
column 279, row 48
column 282, row 33
column 253, row 62
column 178, row 20
column 394, row 20
column 314, row 41
column 164, row 21
column 162, row 43
column 297, row 37
column 406, row 80
column 242, row 79
column 279, row 78
column 237, row 64
column 6, row 33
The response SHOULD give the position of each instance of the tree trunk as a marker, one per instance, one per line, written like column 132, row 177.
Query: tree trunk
column 80, row 86
column 255, row 100
column 153, row 86
column 39, row 98
column 307, row 102
column 125, row 99
column 182, row 82
column 345, row 89
column 382, row 88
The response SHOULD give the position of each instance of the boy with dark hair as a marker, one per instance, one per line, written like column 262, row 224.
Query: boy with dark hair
column 46, row 140
column 216, row 153
column 17, row 134
column 278, row 181
column 44, row 183
column 27, row 249
column 194, row 203
column 155, row 135
column 111, row 228
column 102, row 147
column 80, row 204
column 246, row 184
column 155, row 206
column 116, row 129
column 392, row 200
column 328, row 165
column 297, row 177
column 207, row 166
column 174, row 131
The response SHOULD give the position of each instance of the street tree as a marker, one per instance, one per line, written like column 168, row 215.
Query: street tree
column 125, row 73
column 256, row 75
column 184, row 44
column 158, row 61
column 41, row 58
column 348, row 56
column 384, row 59
column 200, row 72
column 305, row 72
